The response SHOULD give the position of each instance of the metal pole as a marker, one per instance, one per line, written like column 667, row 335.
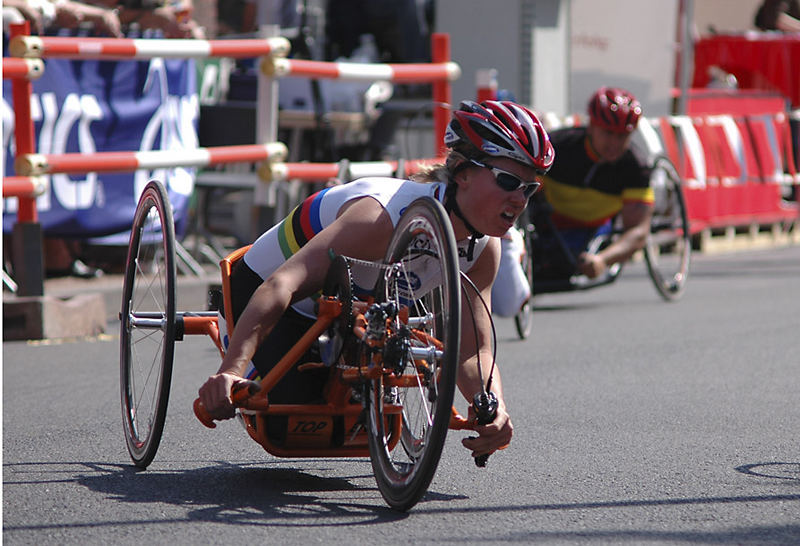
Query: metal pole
column 26, row 237
column 686, row 16
column 442, row 93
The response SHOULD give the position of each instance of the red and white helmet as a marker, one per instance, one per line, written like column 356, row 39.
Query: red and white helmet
column 500, row 129
column 614, row 109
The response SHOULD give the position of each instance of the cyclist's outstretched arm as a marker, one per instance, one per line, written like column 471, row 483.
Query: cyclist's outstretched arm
column 470, row 381
column 362, row 231
column 636, row 217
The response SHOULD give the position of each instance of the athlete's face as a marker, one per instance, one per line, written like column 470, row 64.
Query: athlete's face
column 490, row 208
column 609, row 145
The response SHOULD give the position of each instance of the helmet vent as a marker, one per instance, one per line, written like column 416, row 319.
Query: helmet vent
column 486, row 134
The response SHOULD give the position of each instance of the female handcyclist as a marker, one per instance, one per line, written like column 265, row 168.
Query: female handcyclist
column 496, row 152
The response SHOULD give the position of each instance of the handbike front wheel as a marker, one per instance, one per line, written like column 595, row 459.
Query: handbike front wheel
column 523, row 320
column 669, row 246
column 147, row 324
column 416, row 398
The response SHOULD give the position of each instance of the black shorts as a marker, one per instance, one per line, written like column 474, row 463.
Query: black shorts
column 296, row 387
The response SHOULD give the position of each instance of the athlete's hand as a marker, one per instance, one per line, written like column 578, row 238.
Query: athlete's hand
column 215, row 394
column 591, row 265
column 496, row 435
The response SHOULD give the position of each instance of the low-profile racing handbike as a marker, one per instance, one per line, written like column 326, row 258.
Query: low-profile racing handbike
column 667, row 251
column 391, row 358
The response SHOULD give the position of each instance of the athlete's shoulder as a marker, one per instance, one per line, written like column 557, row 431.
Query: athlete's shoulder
column 567, row 136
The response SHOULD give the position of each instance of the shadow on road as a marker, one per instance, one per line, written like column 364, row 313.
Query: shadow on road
column 224, row 492
column 782, row 471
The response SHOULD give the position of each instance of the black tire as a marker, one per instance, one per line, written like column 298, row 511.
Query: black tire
column 669, row 246
column 423, row 240
column 523, row 320
column 147, row 324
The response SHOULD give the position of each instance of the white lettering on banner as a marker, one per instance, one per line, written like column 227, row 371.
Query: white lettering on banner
column 75, row 194
column 8, row 127
column 45, row 110
column 9, row 205
column 173, row 122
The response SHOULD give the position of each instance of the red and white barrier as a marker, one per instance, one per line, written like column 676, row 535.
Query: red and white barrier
column 134, row 48
column 734, row 158
column 27, row 52
column 320, row 172
column 21, row 89
column 24, row 186
column 733, row 167
column 42, row 164
column 397, row 73
column 28, row 69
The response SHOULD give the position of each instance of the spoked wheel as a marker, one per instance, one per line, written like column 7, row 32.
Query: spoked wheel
column 669, row 246
column 147, row 324
column 523, row 320
column 409, row 409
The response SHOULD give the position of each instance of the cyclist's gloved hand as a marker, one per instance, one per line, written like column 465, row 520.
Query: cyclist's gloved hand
column 491, row 437
column 215, row 395
column 591, row 265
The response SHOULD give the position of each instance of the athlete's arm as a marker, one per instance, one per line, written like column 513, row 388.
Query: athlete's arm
column 362, row 230
column 636, row 217
column 476, row 341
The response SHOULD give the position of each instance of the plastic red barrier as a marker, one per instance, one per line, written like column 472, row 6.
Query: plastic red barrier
column 29, row 69
column 734, row 152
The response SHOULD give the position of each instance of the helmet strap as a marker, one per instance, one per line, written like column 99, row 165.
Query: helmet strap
column 450, row 204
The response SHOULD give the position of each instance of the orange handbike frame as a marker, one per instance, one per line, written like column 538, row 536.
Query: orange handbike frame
column 310, row 427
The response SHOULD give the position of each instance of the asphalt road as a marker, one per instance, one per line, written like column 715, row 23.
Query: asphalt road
column 636, row 421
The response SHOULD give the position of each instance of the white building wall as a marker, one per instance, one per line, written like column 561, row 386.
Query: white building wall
column 624, row 43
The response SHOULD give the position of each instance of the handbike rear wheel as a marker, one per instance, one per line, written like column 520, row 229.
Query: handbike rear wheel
column 147, row 324
column 423, row 274
column 669, row 245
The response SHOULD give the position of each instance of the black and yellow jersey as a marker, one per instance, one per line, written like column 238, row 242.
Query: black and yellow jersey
column 585, row 192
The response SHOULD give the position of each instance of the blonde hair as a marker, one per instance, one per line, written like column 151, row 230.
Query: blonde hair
column 440, row 172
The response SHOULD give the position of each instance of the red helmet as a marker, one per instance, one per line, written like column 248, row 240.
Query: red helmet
column 500, row 129
column 614, row 109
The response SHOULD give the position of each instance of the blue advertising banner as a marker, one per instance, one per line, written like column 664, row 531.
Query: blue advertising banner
column 102, row 106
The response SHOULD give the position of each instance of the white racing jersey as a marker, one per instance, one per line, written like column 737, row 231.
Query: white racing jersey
column 318, row 211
